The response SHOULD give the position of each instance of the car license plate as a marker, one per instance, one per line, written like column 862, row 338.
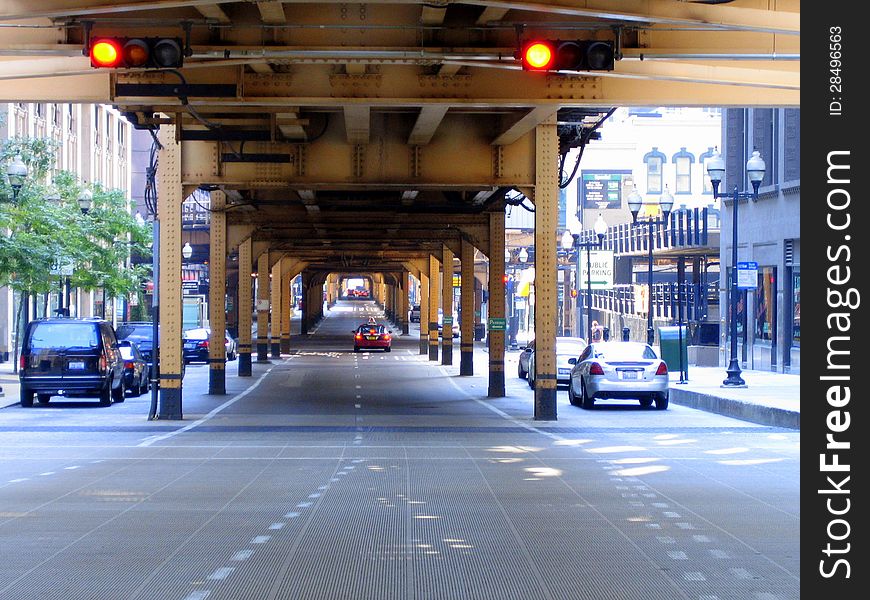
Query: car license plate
column 76, row 365
column 564, row 371
column 629, row 374
column 371, row 337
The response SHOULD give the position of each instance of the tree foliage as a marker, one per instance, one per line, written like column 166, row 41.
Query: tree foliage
column 42, row 234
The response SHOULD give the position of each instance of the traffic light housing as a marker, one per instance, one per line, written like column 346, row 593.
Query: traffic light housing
column 567, row 55
column 136, row 53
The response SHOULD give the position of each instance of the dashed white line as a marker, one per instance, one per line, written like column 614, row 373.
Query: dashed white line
column 678, row 555
column 275, row 526
column 694, row 576
column 19, row 480
column 702, row 539
column 716, row 553
column 291, row 515
column 304, row 504
column 741, row 573
column 46, row 473
column 198, row 595
column 314, row 495
column 221, row 573
column 242, row 555
column 261, row 539
column 71, row 468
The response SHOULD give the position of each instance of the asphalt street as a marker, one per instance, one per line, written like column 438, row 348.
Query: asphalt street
column 331, row 474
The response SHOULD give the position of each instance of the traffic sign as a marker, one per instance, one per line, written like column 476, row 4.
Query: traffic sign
column 747, row 275
column 497, row 324
column 602, row 269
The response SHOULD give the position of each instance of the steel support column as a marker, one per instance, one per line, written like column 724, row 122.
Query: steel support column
column 424, row 313
column 546, row 219
column 306, row 302
column 263, row 307
column 217, row 302
column 245, row 295
column 466, row 312
column 170, row 195
column 496, row 304
column 403, row 303
column 275, row 306
column 286, row 308
column 447, row 306
column 433, row 307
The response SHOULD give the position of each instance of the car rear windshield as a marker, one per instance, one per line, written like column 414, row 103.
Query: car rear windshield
column 617, row 351
column 134, row 332
column 47, row 336
column 197, row 334
column 371, row 329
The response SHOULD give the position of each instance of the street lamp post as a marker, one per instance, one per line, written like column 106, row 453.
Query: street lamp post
column 755, row 168
column 665, row 203
column 16, row 173
column 572, row 240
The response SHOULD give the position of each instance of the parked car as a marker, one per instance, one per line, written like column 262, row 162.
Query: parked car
column 523, row 363
column 195, row 345
column 566, row 349
column 136, row 369
column 70, row 357
column 624, row 370
column 414, row 314
column 140, row 333
column 371, row 336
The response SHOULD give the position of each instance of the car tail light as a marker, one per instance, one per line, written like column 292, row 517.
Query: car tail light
column 358, row 336
column 202, row 344
column 595, row 369
column 22, row 362
column 128, row 364
column 104, row 364
column 662, row 370
column 386, row 337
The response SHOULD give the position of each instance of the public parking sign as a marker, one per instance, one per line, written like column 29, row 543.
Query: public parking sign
column 747, row 275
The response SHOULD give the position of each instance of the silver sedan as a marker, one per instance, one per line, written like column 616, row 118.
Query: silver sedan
column 619, row 370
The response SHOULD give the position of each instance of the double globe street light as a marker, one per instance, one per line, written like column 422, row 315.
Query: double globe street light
column 666, row 204
column 572, row 241
column 755, row 168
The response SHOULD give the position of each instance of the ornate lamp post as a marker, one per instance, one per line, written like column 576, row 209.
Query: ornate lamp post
column 572, row 240
column 86, row 200
column 16, row 173
column 755, row 168
column 665, row 203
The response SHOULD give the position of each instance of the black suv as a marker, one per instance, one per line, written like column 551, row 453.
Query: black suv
column 71, row 357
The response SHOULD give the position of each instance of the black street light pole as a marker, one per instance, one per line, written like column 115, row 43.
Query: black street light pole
column 666, row 203
column 572, row 240
column 755, row 168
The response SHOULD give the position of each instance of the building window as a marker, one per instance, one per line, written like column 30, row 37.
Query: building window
column 796, row 309
column 654, row 160
column 763, row 136
column 765, row 304
column 683, row 162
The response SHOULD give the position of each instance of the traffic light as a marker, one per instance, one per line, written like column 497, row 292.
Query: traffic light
column 133, row 53
column 567, row 55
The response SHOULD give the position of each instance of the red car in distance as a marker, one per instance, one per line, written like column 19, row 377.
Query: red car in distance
column 372, row 337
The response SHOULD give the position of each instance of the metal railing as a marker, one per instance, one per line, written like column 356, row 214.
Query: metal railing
column 690, row 228
column 666, row 297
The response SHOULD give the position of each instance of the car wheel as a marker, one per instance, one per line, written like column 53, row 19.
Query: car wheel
column 26, row 397
column 662, row 401
column 531, row 379
column 572, row 397
column 106, row 395
column 356, row 348
column 520, row 373
column 43, row 398
column 388, row 349
column 118, row 394
column 646, row 402
column 587, row 402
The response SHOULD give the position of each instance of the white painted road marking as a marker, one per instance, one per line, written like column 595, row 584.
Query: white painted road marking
column 242, row 555
column 221, row 573
column 261, row 539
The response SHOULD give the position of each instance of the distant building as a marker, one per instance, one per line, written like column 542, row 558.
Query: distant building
column 94, row 142
column 768, row 233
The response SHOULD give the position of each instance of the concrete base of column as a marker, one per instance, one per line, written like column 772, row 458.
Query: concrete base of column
column 245, row 364
column 466, row 362
column 496, row 384
column 406, row 328
column 170, row 404
column 433, row 351
column 276, row 349
column 424, row 345
column 262, row 353
column 217, row 381
column 285, row 345
column 545, row 403
column 447, row 354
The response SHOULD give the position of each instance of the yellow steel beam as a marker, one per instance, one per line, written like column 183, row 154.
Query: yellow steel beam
column 217, row 294
column 245, row 292
column 447, row 306
column 496, row 305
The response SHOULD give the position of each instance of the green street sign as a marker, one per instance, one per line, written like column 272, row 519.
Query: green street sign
column 497, row 324
column 447, row 321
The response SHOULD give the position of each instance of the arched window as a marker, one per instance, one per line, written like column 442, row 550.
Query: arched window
column 683, row 165
column 707, row 187
column 655, row 161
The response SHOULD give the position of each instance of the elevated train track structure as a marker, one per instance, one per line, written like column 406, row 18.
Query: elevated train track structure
column 381, row 138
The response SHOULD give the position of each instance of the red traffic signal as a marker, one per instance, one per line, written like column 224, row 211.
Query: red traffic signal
column 136, row 53
column 567, row 55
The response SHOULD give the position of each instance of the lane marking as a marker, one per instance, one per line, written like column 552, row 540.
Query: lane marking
column 71, row 468
column 221, row 573
column 198, row 595
column 242, row 555
column 46, row 473
column 304, row 504
column 275, row 526
column 314, row 495
column 261, row 539
column 18, row 480
column 291, row 515
column 159, row 438
column 678, row 555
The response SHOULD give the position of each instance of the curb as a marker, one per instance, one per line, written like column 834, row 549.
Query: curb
column 754, row 413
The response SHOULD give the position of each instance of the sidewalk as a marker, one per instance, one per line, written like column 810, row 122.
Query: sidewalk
column 769, row 399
